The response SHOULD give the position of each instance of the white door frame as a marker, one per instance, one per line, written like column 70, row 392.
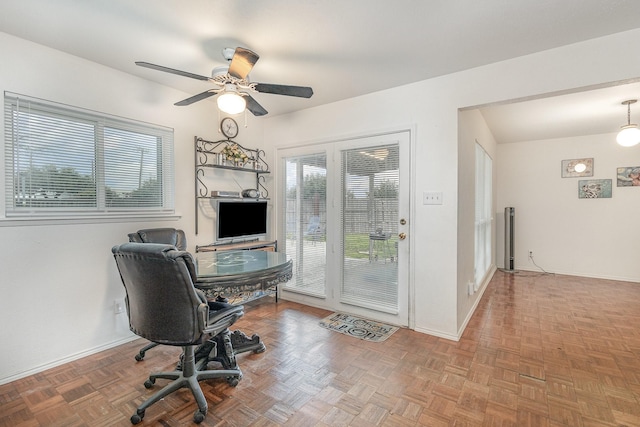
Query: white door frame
column 327, row 145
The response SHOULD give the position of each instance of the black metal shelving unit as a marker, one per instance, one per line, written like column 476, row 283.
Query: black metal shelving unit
column 228, row 155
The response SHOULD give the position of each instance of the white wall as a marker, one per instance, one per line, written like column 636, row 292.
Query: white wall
column 568, row 235
column 59, row 282
column 472, row 128
column 432, row 106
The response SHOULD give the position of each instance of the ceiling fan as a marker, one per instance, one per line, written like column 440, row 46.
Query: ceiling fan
column 232, row 83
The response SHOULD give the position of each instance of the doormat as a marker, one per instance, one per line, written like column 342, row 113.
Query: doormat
column 358, row 327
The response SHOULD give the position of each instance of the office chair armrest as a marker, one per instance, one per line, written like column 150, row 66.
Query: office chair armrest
column 203, row 315
column 219, row 320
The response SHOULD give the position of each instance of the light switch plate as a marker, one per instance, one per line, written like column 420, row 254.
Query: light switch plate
column 432, row 198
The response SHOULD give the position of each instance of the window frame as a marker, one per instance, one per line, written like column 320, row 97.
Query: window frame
column 100, row 211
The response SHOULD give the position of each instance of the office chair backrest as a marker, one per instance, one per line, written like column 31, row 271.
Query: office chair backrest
column 169, row 236
column 162, row 303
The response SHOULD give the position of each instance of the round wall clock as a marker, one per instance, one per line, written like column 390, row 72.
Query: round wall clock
column 229, row 127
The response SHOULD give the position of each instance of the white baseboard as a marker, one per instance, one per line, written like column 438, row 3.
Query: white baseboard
column 578, row 274
column 67, row 359
column 438, row 334
column 480, row 292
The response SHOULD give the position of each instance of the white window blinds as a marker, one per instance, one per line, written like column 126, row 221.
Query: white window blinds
column 483, row 217
column 63, row 161
column 370, row 193
column 306, row 220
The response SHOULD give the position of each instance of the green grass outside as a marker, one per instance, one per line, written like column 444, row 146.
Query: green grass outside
column 356, row 245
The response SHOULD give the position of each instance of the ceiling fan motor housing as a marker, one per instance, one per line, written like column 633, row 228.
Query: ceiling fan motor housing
column 222, row 70
column 228, row 53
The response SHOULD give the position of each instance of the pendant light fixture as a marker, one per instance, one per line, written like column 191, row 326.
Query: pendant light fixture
column 630, row 134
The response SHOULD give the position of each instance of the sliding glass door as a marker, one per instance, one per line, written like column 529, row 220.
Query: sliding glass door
column 345, row 225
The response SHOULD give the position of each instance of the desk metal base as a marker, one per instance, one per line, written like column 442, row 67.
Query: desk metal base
column 223, row 348
column 242, row 343
column 222, row 273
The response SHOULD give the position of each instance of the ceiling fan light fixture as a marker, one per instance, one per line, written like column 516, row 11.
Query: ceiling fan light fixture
column 231, row 102
column 630, row 134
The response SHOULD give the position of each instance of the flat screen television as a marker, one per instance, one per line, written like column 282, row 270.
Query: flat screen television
column 241, row 219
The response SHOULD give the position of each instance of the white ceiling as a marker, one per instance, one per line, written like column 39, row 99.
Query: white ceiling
column 592, row 111
column 341, row 48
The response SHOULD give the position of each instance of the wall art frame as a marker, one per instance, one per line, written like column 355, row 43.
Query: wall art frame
column 569, row 167
column 628, row 176
column 594, row 189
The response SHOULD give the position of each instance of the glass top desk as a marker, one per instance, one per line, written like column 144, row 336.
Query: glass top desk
column 228, row 273
column 240, row 276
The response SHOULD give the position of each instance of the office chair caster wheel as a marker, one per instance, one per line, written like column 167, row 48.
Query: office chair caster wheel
column 233, row 381
column 198, row 417
column 149, row 383
column 139, row 356
column 137, row 417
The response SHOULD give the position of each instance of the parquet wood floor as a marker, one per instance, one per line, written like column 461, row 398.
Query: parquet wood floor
column 541, row 350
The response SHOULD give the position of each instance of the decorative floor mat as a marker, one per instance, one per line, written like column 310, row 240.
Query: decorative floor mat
column 358, row 327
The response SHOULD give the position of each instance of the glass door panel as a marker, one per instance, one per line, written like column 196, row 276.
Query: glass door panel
column 305, row 226
column 370, row 182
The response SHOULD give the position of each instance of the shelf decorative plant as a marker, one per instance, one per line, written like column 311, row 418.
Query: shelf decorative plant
column 235, row 154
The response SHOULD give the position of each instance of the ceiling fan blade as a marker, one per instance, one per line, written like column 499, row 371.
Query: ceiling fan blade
column 253, row 106
column 171, row 70
column 300, row 91
column 242, row 62
column 196, row 98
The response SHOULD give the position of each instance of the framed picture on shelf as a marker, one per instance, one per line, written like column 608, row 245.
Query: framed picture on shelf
column 594, row 189
column 628, row 176
column 573, row 168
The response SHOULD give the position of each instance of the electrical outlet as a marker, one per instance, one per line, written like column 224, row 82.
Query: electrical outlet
column 118, row 306
column 432, row 198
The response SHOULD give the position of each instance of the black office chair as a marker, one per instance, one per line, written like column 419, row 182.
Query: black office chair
column 164, row 307
column 169, row 236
